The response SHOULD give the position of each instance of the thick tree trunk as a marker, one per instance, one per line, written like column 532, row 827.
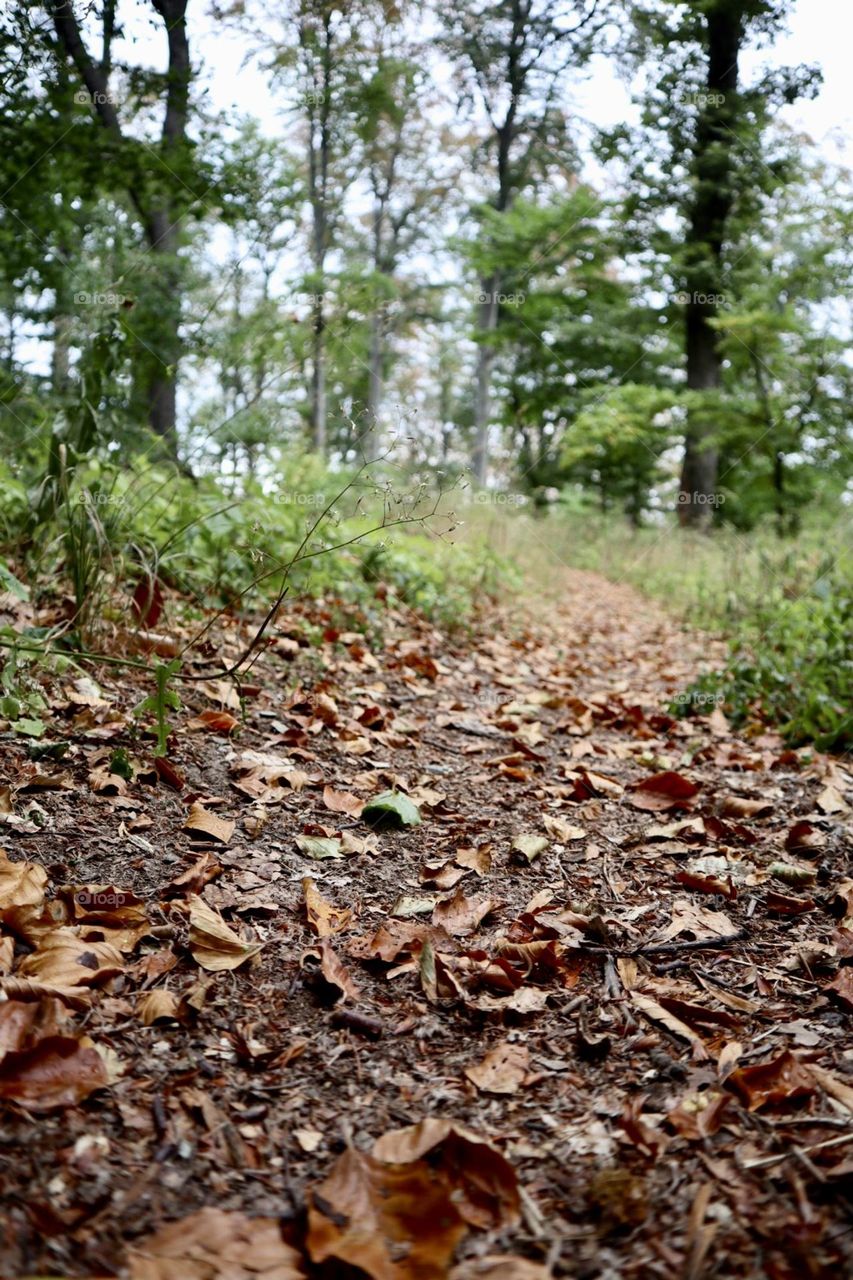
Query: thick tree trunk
column 699, row 466
column 163, row 353
column 712, row 205
column 485, row 363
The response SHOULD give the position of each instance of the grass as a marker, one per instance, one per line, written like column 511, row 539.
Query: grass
column 785, row 606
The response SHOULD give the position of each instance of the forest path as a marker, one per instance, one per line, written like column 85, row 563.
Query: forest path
column 580, row 954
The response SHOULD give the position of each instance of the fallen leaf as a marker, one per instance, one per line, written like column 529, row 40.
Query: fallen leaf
column 342, row 802
column 782, row 1079
column 391, row 809
column 213, row 944
column 319, row 847
column 216, row 1244
column 323, row 919
column 493, row 1267
column 530, row 846
column 485, row 1189
column 154, row 1005
column 562, row 830
column 478, row 860
column 661, row 791
column 460, row 915
column 744, row 807
column 502, row 1070
column 657, row 1013
column 43, row 1065
column 22, row 884
column 841, row 988
column 208, row 826
column 804, row 838
column 214, row 721
column 333, row 971
column 393, row 1221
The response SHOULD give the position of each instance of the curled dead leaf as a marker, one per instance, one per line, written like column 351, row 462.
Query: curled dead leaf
column 214, row 945
column 323, row 919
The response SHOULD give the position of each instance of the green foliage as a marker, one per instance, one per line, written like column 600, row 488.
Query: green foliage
column 791, row 666
column 163, row 700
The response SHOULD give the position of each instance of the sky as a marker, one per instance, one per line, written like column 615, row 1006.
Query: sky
column 820, row 33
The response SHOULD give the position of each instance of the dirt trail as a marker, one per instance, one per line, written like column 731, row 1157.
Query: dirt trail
column 587, row 905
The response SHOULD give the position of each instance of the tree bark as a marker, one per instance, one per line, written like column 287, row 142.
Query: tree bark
column 318, row 378
column 485, row 364
column 159, row 217
column 712, row 206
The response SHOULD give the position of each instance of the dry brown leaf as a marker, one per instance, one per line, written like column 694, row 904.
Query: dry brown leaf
column 214, row 945
column 441, row 875
column 502, row 1070
column 392, row 1221
column 478, row 860
column 687, row 917
column 192, row 881
column 342, row 802
column 460, row 915
column 493, row 1267
column 22, row 884
column 744, row 807
column 662, row 791
column 65, row 964
column 831, row 800
column 656, row 1012
column 263, row 776
column 781, row 1079
column 323, row 919
column 105, row 783
column 213, row 721
column 43, row 1063
column 216, row 1244
column 485, row 1190
column 154, row 1005
column 562, row 830
column 208, row 826
column 334, row 972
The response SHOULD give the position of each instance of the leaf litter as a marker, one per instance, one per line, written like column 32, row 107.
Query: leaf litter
column 581, row 990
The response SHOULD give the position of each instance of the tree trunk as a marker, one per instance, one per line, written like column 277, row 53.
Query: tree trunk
column 318, row 379
column 158, row 374
column 372, row 438
column 712, row 205
column 485, row 364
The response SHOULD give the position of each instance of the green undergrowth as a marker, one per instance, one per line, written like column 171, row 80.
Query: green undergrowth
column 784, row 606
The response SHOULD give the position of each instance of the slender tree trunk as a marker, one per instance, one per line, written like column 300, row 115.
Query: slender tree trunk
column 712, row 205
column 159, row 362
column 318, row 378
column 485, row 363
column 373, row 438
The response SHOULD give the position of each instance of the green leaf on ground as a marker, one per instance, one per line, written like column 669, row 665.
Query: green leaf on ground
column 391, row 809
